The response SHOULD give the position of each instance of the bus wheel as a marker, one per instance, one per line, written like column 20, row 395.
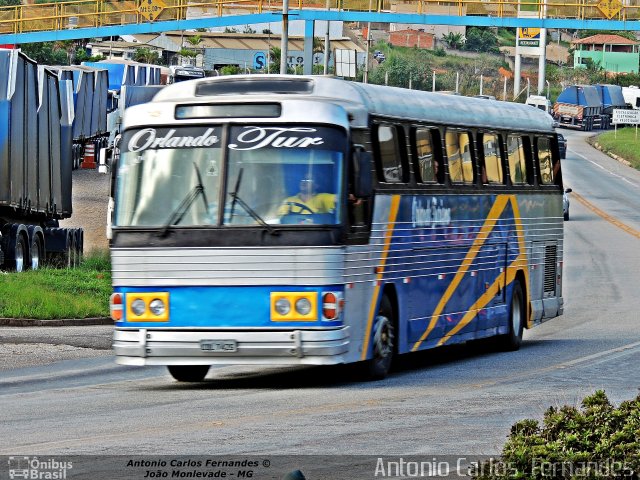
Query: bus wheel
column 384, row 334
column 188, row 373
column 512, row 340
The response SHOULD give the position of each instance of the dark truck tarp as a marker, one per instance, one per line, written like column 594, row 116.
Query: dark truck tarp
column 135, row 95
column 31, row 179
column 90, row 96
column 611, row 97
column 53, row 167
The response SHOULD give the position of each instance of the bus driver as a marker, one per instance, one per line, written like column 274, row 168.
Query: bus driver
column 307, row 201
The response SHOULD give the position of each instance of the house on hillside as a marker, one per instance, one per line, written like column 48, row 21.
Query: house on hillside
column 412, row 38
column 613, row 53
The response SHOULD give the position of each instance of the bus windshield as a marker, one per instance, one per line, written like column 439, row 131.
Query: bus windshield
column 171, row 177
column 286, row 175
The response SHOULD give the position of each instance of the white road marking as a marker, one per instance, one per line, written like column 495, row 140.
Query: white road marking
column 624, row 179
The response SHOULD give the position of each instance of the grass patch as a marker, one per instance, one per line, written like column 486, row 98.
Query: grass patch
column 623, row 144
column 51, row 293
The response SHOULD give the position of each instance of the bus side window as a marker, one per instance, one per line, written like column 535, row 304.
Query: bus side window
column 492, row 159
column 389, row 154
column 547, row 176
column 517, row 160
column 429, row 167
column 458, row 146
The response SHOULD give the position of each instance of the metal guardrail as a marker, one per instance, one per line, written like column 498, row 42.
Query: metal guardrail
column 103, row 13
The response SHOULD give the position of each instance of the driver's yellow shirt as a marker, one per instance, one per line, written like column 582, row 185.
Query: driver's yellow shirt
column 319, row 203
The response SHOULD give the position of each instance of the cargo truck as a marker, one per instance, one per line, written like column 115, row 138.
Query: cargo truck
column 579, row 106
column 36, row 131
column 130, row 83
column 87, row 101
column 612, row 99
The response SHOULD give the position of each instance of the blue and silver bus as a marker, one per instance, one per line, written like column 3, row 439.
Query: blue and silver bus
column 300, row 220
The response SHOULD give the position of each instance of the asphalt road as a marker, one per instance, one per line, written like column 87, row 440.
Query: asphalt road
column 457, row 400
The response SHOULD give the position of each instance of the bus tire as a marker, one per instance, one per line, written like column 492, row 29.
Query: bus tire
column 511, row 341
column 188, row 373
column 384, row 345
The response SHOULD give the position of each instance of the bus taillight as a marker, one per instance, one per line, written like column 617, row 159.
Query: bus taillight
column 115, row 306
column 331, row 305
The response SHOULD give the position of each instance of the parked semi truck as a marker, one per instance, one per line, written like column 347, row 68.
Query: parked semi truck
column 87, row 99
column 612, row 99
column 181, row 73
column 579, row 106
column 130, row 83
column 36, row 140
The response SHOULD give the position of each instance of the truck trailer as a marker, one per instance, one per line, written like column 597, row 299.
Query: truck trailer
column 612, row 99
column 579, row 106
column 36, row 131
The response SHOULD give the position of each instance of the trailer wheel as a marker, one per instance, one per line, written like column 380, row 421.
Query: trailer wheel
column 17, row 254
column 16, row 247
column 67, row 257
column 79, row 246
column 37, row 252
column 188, row 373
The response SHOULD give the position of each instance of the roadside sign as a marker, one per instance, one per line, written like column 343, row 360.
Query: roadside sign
column 628, row 117
column 622, row 117
column 150, row 9
column 609, row 8
column 528, row 37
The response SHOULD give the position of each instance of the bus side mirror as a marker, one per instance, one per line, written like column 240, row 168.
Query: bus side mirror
column 363, row 181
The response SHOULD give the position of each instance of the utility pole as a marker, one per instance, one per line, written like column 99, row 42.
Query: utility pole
column 326, row 45
column 284, row 44
column 365, row 77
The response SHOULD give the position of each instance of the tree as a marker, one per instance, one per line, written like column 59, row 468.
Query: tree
column 230, row 70
column 44, row 53
column 147, row 55
column 454, row 40
column 481, row 40
column 187, row 52
column 9, row 3
column 81, row 55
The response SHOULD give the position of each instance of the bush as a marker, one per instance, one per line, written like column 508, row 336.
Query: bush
column 597, row 441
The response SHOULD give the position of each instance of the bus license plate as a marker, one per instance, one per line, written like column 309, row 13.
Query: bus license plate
column 227, row 346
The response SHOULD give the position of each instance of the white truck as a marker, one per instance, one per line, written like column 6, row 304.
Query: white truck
column 540, row 101
column 631, row 95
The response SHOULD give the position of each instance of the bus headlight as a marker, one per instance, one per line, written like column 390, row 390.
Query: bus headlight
column 157, row 307
column 303, row 306
column 138, row 306
column 294, row 306
column 283, row 306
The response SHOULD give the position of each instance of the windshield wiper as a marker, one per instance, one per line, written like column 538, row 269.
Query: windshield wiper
column 247, row 208
column 181, row 210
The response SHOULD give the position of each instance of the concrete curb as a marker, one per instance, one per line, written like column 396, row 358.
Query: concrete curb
column 612, row 155
column 63, row 322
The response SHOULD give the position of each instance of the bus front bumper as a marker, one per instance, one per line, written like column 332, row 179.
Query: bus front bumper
column 142, row 346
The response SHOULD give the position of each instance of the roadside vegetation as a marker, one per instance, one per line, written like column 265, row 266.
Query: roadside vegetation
column 51, row 293
column 624, row 144
column 595, row 441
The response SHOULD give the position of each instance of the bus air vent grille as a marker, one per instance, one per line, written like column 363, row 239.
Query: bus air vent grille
column 550, row 262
